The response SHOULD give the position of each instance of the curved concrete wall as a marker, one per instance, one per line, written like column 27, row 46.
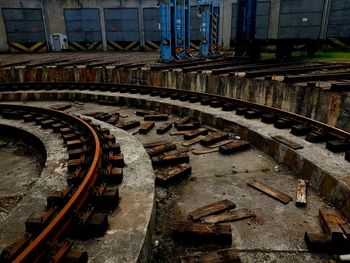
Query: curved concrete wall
column 316, row 103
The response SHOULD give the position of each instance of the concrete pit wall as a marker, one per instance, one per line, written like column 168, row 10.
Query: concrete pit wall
column 327, row 107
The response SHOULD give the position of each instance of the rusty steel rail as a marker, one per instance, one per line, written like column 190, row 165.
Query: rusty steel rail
column 114, row 87
column 57, row 226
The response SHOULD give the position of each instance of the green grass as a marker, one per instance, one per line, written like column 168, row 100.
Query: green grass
column 320, row 56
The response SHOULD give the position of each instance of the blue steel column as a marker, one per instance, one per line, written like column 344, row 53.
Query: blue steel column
column 188, row 24
column 165, row 27
column 180, row 28
column 205, row 10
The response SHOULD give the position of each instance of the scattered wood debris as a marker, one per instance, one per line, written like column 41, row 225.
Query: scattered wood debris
column 234, row 146
column 146, row 127
column 160, row 149
column 164, row 128
column 193, row 141
column 301, row 193
column 214, row 138
column 171, row 174
column 199, row 152
column 192, row 134
column 283, row 198
column 213, row 208
column 232, row 215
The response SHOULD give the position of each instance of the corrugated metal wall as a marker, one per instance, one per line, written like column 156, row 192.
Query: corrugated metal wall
column 151, row 20
column 25, row 29
column 83, row 28
column 300, row 19
column 339, row 19
column 122, row 28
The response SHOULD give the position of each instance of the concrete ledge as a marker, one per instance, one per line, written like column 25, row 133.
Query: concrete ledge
column 327, row 172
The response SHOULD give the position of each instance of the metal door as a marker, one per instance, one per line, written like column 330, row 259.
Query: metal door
column 151, row 22
column 122, row 28
column 83, row 28
column 25, row 29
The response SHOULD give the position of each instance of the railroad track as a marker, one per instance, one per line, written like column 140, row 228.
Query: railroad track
column 337, row 140
column 95, row 169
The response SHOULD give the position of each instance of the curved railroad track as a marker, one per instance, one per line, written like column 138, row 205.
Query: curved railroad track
column 91, row 150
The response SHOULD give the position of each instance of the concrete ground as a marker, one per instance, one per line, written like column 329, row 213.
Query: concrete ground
column 274, row 235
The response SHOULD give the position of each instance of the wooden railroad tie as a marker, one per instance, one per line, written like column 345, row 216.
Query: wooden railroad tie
column 192, row 134
column 183, row 120
column 213, row 138
column 165, row 176
column 213, row 208
column 283, row 198
column 164, row 128
column 301, row 193
column 234, row 146
column 170, row 159
column 160, row 149
column 227, row 216
column 127, row 125
column 146, row 127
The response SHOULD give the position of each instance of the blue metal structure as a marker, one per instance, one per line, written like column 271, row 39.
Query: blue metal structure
column 209, row 11
column 246, row 20
column 175, row 29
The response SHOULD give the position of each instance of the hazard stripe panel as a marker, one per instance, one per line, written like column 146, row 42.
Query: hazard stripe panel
column 36, row 47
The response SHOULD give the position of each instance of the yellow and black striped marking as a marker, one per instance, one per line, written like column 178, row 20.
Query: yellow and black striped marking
column 215, row 28
column 76, row 46
column 37, row 47
column 123, row 45
column 152, row 45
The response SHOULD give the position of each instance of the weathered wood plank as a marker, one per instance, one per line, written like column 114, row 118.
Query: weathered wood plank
column 234, row 146
column 174, row 173
column 160, row 149
column 289, row 143
column 144, row 112
column 301, row 193
column 218, row 256
column 227, row 216
column 192, row 134
column 214, row 138
column 212, row 209
column 164, row 128
column 199, row 152
column 170, row 159
column 331, row 222
column 182, row 121
column 203, row 233
column 146, row 127
column 193, row 141
column 283, row 198
column 153, row 144
column 220, row 144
